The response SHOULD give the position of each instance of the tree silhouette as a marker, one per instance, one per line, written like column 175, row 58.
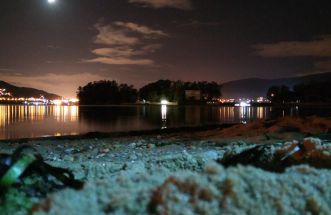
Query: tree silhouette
column 175, row 90
column 106, row 92
column 314, row 91
column 304, row 92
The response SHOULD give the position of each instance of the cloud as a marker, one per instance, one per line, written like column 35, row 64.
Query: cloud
column 125, row 43
column 114, row 52
column 150, row 48
column 7, row 70
column 121, row 61
column 109, row 35
column 178, row 4
column 318, row 49
column 117, row 52
column 141, row 29
column 315, row 48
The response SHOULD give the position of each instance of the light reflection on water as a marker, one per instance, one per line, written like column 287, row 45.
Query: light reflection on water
column 248, row 113
column 164, row 116
column 19, row 121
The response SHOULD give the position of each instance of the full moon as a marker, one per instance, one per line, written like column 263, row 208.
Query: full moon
column 51, row 1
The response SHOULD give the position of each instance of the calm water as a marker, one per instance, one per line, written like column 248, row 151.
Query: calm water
column 19, row 121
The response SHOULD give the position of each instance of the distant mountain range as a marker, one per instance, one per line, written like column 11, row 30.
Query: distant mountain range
column 255, row 87
column 26, row 92
column 245, row 88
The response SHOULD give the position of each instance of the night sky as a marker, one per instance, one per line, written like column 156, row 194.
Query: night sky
column 59, row 46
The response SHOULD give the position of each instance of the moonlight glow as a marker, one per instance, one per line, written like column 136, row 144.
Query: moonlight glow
column 51, row 1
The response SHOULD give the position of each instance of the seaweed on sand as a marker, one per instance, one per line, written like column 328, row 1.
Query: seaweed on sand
column 276, row 159
column 25, row 177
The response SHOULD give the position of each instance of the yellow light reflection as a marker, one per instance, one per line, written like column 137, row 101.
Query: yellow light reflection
column 226, row 114
column 10, row 114
column 260, row 113
column 66, row 113
column 74, row 113
column 3, row 111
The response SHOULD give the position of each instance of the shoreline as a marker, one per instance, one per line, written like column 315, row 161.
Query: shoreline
column 264, row 104
column 119, row 134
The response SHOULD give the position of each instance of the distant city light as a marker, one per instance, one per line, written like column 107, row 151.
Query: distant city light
column 7, row 96
column 74, row 100
column 243, row 104
column 57, row 102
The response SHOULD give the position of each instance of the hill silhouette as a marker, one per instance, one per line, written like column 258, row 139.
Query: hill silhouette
column 255, row 87
column 26, row 92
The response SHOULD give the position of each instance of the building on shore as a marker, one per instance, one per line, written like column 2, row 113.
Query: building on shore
column 193, row 95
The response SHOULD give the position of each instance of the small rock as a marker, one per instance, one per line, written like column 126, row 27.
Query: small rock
column 106, row 150
column 68, row 158
column 125, row 166
column 69, row 151
column 100, row 155
column 139, row 143
column 150, row 146
column 210, row 155
column 326, row 153
column 133, row 145
column 191, row 147
column 133, row 157
column 116, row 146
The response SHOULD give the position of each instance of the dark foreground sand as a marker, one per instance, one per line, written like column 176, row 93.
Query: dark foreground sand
column 179, row 174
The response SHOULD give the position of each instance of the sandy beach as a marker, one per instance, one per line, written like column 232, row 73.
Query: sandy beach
column 182, row 172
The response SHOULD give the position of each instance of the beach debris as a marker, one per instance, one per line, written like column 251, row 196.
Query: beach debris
column 276, row 158
column 279, row 128
column 26, row 162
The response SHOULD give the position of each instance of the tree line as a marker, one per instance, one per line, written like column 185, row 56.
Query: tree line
column 106, row 92
column 110, row 92
column 304, row 92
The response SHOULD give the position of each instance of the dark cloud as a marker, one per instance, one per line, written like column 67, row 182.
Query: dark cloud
column 178, row 4
column 197, row 23
column 316, row 49
column 313, row 48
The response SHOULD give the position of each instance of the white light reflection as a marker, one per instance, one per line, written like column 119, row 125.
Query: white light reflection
column 164, row 116
column 243, row 114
